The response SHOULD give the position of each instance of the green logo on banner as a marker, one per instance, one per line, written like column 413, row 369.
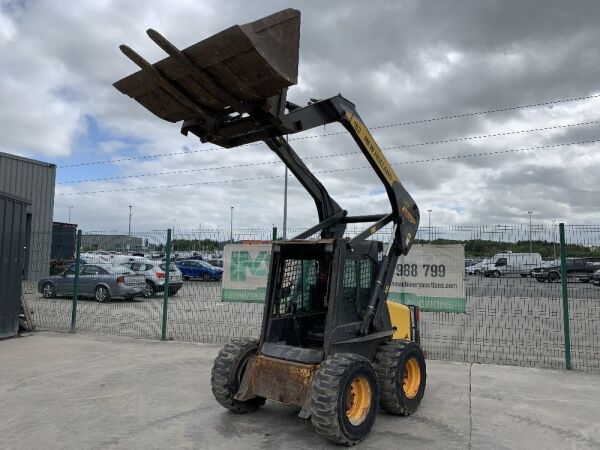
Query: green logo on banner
column 242, row 264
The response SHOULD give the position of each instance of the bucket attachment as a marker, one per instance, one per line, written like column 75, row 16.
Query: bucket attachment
column 241, row 72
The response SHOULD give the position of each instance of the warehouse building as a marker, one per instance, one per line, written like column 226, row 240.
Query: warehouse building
column 33, row 182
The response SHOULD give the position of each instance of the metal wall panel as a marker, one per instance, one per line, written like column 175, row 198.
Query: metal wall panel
column 13, row 214
column 34, row 181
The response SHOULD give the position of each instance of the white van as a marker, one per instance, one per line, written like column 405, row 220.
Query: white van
column 509, row 263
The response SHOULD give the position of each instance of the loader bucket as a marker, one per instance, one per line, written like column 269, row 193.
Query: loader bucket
column 241, row 70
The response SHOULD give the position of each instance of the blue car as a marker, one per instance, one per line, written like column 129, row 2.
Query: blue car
column 199, row 269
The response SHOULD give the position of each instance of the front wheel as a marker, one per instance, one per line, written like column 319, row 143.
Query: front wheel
column 553, row 277
column 402, row 376
column 344, row 398
column 227, row 373
column 496, row 274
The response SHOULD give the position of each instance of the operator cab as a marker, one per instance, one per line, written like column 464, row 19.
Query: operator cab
column 307, row 277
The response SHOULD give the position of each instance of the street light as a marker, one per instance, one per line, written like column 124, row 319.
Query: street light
column 285, row 196
column 429, row 213
column 70, row 208
column 530, row 241
column 130, row 214
column 554, row 236
column 231, row 225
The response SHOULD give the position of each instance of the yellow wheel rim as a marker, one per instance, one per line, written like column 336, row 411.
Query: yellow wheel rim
column 412, row 378
column 358, row 401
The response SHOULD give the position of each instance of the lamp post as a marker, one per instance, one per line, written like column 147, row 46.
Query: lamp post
column 530, row 241
column 554, row 237
column 130, row 214
column 285, row 195
column 231, row 225
column 429, row 213
column 70, row 208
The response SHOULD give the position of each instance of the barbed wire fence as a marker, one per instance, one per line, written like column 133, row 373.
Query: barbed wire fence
column 514, row 318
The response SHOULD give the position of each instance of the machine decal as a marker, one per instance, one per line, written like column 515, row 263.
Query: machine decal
column 373, row 149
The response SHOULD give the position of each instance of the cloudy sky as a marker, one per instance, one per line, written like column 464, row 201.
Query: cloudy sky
column 399, row 61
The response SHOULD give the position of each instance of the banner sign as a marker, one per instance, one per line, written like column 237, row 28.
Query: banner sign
column 245, row 272
column 431, row 276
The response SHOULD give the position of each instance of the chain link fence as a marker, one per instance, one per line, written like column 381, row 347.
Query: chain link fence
column 514, row 313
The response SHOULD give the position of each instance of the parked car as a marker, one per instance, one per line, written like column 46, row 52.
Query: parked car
column 199, row 269
column 154, row 272
column 576, row 267
column 477, row 269
column 195, row 258
column 101, row 281
column 596, row 278
column 508, row 263
column 217, row 262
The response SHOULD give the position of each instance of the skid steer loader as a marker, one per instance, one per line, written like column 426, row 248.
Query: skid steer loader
column 330, row 344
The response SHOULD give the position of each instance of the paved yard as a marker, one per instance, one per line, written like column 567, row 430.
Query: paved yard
column 81, row 391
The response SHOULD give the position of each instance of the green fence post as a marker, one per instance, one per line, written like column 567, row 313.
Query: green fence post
column 274, row 233
column 565, row 295
column 76, row 283
column 166, row 287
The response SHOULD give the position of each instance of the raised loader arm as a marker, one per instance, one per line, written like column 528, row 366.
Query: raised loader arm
column 230, row 89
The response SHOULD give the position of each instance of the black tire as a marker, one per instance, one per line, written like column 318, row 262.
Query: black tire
column 496, row 274
column 391, row 365
column 227, row 372
column 553, row 277
column 207, row 277
column 101, row 294
column 186, row 278
column 540, row 279
column 48, row 290
column 150, row 289
column 332, row 415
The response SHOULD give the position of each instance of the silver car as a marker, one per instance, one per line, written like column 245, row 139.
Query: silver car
column 100, row 281
column 154, row 272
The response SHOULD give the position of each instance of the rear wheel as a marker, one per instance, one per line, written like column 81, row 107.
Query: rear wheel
column 150, row 289
column 227, row 373
column 344, row 398
column 402, row 376
column 48, row 290
column 101, row 294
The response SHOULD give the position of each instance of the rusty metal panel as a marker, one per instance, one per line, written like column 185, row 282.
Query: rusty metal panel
column 285, row 382
column 13, row 214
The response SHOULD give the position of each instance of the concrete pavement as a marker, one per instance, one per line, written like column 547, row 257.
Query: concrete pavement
column 89, row 392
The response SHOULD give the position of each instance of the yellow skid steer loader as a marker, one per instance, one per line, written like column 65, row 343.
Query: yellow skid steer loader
column 330, row 344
